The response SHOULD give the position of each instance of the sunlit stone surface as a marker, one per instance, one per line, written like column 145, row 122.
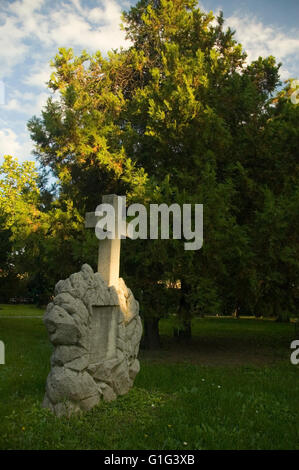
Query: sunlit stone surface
column 96, row 331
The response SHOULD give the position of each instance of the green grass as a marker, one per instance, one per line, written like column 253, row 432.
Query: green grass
column 20, row 310
column 185, row 396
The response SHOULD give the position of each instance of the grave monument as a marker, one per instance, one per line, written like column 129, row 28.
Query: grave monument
column 95, row 328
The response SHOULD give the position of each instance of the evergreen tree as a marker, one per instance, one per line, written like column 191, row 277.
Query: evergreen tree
column 180, row 116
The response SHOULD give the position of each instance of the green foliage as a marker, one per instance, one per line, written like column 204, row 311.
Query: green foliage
column 33, row 239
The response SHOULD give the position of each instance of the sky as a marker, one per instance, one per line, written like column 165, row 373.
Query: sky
column 31, row 31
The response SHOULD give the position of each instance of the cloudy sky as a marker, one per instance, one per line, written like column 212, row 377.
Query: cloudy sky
column 31, row 31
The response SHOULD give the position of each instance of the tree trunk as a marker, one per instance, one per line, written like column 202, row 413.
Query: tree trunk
column 185, row 331
column 151, row 338
column 236, row 313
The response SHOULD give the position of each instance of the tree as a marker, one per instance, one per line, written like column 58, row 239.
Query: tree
column 18, row 214
column 7, row 274
column 177, row 117
column 34, row 234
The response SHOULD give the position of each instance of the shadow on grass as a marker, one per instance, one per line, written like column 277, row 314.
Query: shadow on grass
column 178, row 402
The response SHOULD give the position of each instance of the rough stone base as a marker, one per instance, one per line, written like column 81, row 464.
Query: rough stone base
column 96, row 331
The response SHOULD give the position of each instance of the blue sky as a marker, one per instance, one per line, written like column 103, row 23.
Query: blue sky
column 31, row 31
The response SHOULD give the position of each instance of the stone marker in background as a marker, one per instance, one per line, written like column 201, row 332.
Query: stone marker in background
column 95, row 327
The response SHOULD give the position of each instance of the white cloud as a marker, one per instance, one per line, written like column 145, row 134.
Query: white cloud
column 9, row 144
column 70, row 25
column 12, row 49
column 26, row 103
column 38, row 75
column 18, row 21
column 94, row 29
column 77, row 5
column 258, row 39
column 17, row 146
column 25, row 8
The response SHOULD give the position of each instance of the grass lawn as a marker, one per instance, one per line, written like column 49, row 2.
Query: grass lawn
column 233, row 387
column 9, row 310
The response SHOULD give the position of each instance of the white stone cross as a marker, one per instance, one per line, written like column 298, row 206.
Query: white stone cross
column 109, row 249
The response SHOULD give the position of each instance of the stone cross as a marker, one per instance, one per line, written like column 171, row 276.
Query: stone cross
column 109, row 250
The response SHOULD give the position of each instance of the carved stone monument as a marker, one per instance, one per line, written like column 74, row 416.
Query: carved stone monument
column 95, row 327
